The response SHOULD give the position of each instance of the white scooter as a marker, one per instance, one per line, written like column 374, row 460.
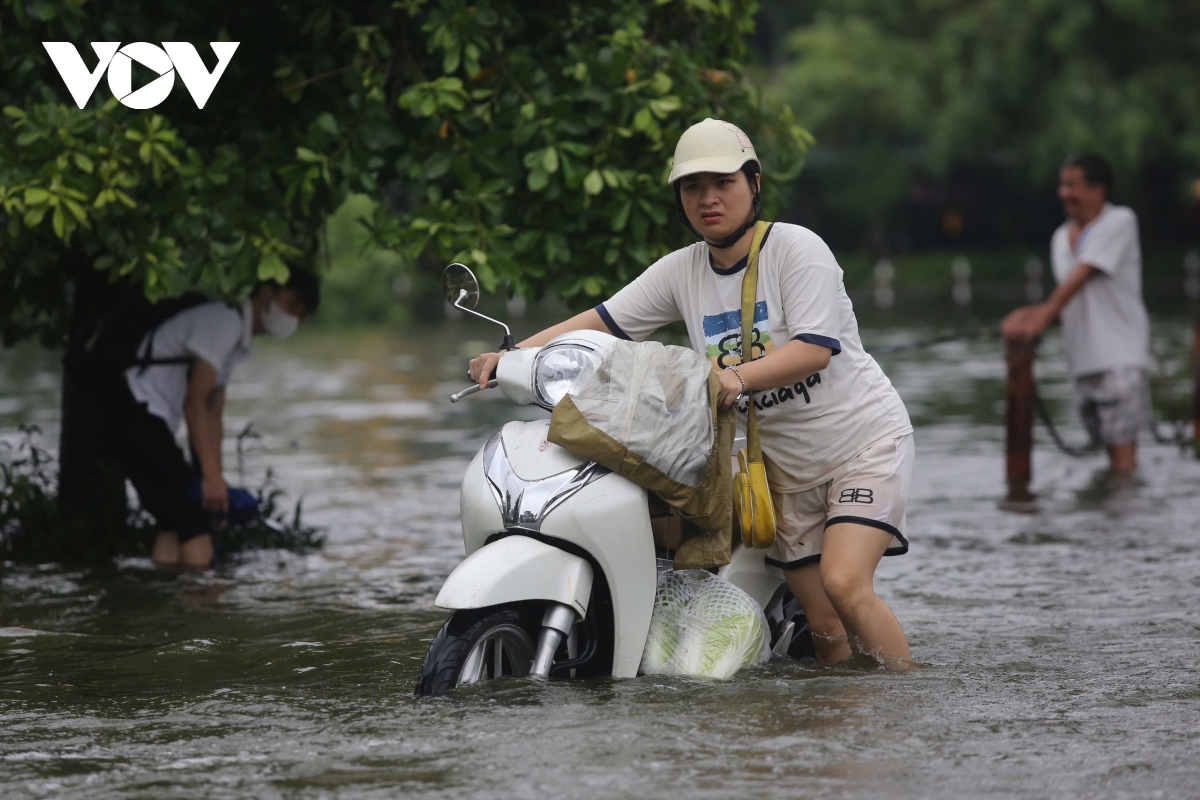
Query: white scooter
column 560, row 573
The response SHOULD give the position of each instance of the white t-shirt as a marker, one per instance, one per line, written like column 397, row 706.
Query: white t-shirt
column 1105, row 324
column 811, row 428
column 220, row 335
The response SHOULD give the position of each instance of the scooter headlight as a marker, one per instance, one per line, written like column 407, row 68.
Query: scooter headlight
column 559, row 369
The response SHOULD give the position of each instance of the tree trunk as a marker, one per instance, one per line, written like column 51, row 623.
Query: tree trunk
column 89, row 491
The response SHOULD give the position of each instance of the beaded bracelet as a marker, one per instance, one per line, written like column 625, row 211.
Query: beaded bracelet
column 740, row 379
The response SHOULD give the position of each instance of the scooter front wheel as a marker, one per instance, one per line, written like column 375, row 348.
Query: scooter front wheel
column 475, row 646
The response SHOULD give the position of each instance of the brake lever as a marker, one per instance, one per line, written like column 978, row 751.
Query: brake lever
column 470, row 390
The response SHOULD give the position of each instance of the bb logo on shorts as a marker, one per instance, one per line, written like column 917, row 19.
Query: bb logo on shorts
column 865, row 496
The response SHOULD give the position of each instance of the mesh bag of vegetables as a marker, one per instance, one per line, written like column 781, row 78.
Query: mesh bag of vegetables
column 703, row 627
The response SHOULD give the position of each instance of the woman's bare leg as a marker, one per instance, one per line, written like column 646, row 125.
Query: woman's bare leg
column 848, row 560
column 829, row 636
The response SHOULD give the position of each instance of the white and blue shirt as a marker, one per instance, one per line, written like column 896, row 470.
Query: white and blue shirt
column 808, row 429
column 214, row 332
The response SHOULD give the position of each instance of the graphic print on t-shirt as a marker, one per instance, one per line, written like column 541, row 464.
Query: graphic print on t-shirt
column 723, row 336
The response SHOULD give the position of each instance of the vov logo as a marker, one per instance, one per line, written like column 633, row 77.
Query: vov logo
column 118, row 61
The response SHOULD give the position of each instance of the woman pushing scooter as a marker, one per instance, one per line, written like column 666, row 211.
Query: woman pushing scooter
column 836, row 438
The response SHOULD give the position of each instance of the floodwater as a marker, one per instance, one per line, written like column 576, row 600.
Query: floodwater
column 1062, row 646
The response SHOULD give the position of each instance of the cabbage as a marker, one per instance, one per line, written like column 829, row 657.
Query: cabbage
column 703, row 627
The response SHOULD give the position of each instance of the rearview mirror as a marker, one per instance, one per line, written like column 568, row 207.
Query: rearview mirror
column 461, row 286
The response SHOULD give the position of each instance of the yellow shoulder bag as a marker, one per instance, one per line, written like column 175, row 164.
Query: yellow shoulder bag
column 750, row 490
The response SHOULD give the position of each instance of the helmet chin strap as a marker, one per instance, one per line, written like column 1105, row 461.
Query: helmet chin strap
column 736, row 236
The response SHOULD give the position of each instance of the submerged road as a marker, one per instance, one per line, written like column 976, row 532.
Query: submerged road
column 1062, row 646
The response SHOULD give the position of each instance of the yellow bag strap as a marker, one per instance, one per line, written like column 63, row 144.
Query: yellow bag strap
column 749, row 296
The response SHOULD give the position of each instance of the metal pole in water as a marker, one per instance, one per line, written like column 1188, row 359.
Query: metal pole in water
column 960, row 276
column 1033, row 280
column 1191, row 289
column 1191, row 275
column 885, row 295
column 1019, row 410
column 1196, row 380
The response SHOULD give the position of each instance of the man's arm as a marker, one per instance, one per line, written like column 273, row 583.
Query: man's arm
column 1028, row 322
column 204, row 436
column 215, row 405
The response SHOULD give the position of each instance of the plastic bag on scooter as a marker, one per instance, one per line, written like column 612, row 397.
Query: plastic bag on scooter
column 703, row 627
column 649, row 412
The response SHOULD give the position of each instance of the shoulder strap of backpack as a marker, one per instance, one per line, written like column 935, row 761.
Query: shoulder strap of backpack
column 178, row 306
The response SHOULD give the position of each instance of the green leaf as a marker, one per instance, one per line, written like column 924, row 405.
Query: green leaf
column 529, row 110
column 34, row 216
column 593, row 286
column 576, row 148
column 84, row 163
column 35, row 196
column 438, row 165
column 272, row 268
column 308, row 156
column 550, row 160
column 538, row 179
column 643, row 121
column 527, row 241
column 663, row 107
column 622, row 216
column 76, row 211
column 557, row 248
column 328, row 123
column 653, row 210
column 594, row 183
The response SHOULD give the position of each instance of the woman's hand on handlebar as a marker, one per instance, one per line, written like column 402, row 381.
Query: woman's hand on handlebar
column 483, row 367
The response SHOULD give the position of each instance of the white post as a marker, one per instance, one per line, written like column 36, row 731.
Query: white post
column 960, row 275
column 885, row 294
column 1033, row 280
column 1191, row 275
column 516, row 306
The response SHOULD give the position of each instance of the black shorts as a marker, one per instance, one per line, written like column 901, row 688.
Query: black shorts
column 144, row 449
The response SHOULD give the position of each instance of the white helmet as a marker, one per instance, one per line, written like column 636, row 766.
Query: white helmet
column 712, row 146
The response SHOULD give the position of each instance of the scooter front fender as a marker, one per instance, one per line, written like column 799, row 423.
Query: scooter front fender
column 518, row 568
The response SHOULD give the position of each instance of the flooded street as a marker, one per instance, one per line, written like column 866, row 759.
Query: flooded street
column 1062, row 645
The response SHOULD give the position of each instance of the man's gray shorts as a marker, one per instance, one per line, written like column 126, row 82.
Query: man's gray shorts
column 1115, row 405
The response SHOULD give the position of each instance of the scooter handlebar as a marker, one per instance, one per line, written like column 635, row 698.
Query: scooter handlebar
column 470, row 390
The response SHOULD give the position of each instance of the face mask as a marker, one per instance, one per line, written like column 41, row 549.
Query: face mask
column 278, row 323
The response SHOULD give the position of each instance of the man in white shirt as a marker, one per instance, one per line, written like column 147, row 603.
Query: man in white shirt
column 179, row 373
column 1097, row 263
